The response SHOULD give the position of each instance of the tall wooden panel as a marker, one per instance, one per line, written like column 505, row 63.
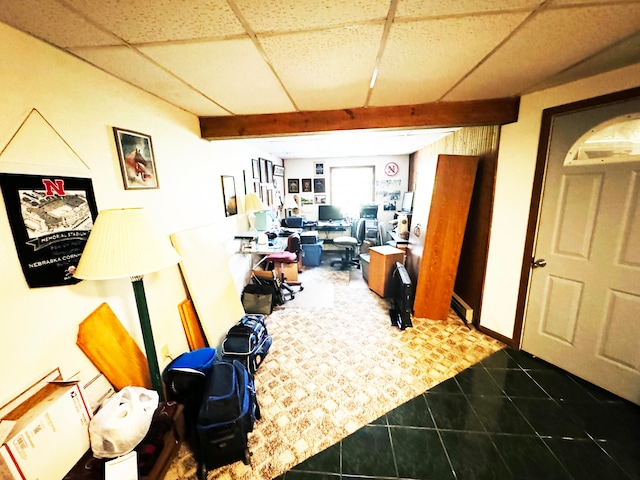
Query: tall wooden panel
column 441, row 208
column 483, row 142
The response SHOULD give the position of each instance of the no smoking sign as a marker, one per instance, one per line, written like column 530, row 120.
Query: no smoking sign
column 391, row 169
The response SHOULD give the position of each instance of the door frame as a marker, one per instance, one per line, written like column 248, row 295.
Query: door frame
column 546, row 128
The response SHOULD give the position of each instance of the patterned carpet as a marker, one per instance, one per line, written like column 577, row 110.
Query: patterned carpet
column 334, row 368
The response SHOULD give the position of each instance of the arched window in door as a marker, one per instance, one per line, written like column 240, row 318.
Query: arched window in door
column 614, row 141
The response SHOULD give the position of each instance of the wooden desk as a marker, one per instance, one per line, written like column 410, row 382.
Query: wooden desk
column 382, row 260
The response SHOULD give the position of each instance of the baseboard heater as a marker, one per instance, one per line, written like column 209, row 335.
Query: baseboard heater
column 462, row 309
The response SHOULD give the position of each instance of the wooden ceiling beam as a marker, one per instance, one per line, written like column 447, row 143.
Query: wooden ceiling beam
column 435, row 115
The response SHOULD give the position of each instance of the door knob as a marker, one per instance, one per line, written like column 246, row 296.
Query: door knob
column 540, row 263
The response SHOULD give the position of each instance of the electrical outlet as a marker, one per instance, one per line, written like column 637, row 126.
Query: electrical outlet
column 165, row 351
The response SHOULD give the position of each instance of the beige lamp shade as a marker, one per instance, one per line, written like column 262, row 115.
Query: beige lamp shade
column 252, row 203
column 290, row 201
column 124, row 243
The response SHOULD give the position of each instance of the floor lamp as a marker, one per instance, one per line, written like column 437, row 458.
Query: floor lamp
column 124, row 243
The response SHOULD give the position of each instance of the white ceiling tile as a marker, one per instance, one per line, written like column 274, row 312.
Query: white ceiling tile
column 292, row 15
column 325, row 70
column 423, row 59
column 128, row 65
column 231, row 72
column 438, row 8
column 143, row 21
column 624, row 53
column 359, row 143
column 49, row 21
column 534, row 53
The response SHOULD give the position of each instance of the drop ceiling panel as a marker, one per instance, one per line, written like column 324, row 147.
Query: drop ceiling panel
column 533, row 53
column 439, row 8
column 231, row 72
column 130, row 66
column 142, row 21
column 624, row 53
column 326, row 70
column 424, row 59
column 49, row 21
column 295, row 15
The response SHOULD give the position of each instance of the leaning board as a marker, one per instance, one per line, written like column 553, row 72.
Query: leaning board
column 112, row 350
column 205, row 268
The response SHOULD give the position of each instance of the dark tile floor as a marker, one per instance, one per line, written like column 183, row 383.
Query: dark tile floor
column 511, row 416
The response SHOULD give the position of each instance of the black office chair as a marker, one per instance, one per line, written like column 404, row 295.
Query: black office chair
column 292, row 222
column 351, row 245
column 291, row 254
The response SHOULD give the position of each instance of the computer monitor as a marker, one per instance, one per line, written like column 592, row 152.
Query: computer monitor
column 407, row 202
column 327, row 213
column 369, row 211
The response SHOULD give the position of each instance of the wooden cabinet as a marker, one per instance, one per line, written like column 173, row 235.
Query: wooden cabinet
column 382, row 260
column 440, row 209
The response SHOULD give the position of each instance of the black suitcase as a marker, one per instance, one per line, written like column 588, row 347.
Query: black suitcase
column 228, row 412
column 248, row 342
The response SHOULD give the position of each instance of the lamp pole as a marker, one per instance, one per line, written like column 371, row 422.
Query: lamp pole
column 147, row 335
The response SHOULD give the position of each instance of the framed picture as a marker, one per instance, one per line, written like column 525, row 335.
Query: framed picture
column 263, row 170
column 319, row 185
column 306, row 185
column 320, row 199
column 294, row 185
column 255, row 168
column 137, row 163
column 319, row 169
column 229, row 195
column 51, row 217
column 278, row 171
column 269, row 171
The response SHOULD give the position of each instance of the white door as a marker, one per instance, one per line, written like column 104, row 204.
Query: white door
column 583, row 311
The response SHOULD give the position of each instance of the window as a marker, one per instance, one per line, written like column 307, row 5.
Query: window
column 352, row 187
column 614, row 141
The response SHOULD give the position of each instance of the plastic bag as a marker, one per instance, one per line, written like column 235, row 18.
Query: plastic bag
column 122, row 422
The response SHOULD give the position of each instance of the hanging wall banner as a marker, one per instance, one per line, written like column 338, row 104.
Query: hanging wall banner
column 51, row 218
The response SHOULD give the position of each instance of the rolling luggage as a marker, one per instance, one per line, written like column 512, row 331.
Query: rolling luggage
column 227, row 414
column 248, row 342
column 185, row 379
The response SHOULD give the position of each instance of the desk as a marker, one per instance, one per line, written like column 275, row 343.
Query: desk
column 399, row 241
column 331, row 226
column 330, row 230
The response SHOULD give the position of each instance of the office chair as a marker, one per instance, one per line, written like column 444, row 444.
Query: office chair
column 291, row 254
column 292, row 222
column 351, row 245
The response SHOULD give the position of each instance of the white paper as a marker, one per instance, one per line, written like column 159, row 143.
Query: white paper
column 122, row 468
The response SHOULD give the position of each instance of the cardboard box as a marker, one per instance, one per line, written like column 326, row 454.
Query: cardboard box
column 90, row 468
column 50, row 434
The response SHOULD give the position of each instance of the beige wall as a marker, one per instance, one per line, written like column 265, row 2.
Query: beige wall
column 516, row 164
column 305, row 168
column 39, row 326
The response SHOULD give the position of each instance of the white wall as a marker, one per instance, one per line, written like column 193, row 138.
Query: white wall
column 516, row 165
column 39, row 326
column 304, row 168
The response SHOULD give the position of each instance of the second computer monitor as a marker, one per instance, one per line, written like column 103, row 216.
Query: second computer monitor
column 328, row 213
